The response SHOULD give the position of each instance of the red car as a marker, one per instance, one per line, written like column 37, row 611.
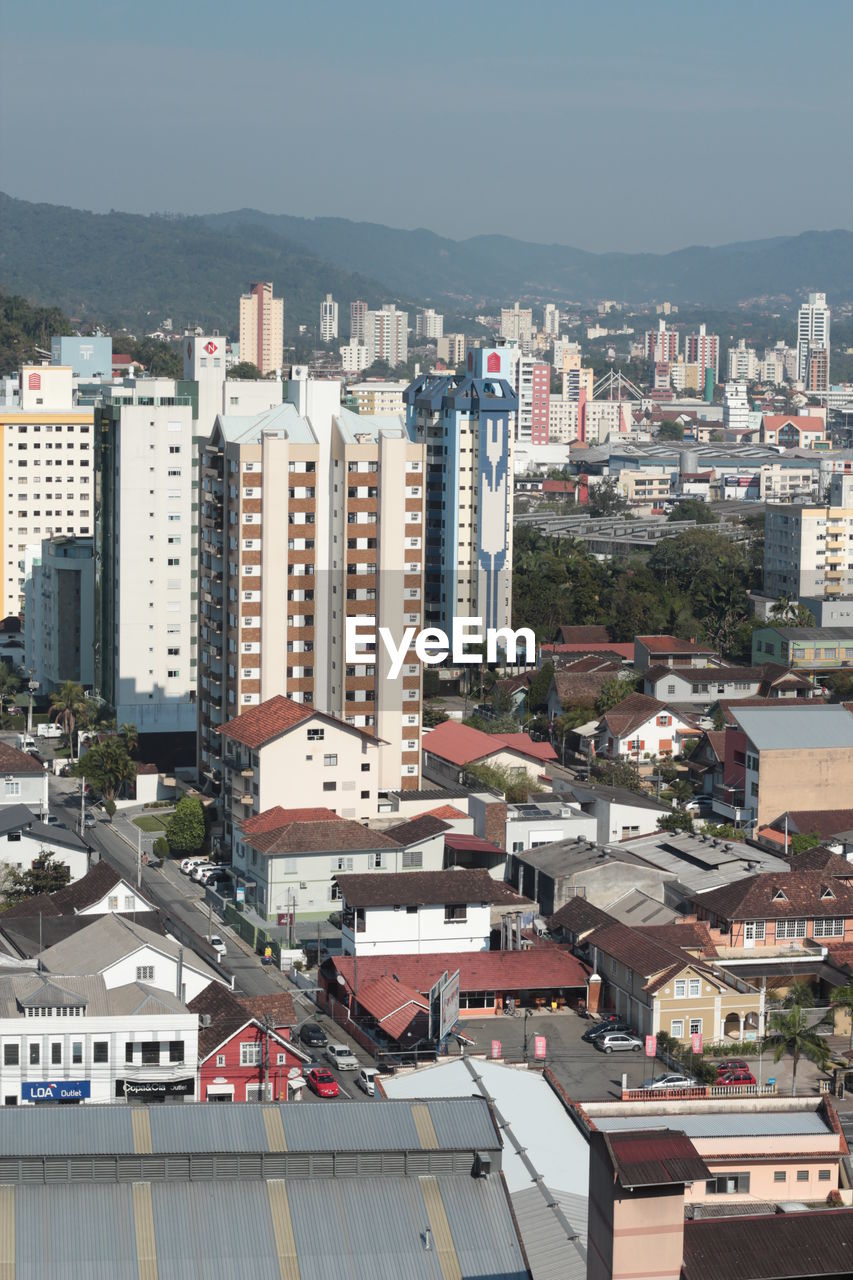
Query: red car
column 731, row 1064
column 322, row 1082
column 736, row 1078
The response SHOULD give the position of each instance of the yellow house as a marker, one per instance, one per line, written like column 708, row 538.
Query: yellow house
column 660, row 981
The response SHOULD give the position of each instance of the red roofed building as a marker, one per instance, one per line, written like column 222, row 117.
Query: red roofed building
column 640, row 727
column 553, row 652
column 792, row 431
column 451, row 747
column 670, row 651
column 245, row 1051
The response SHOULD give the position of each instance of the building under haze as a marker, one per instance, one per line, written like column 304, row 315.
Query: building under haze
column 262, row 328
column 328, row 319
column 813, row 343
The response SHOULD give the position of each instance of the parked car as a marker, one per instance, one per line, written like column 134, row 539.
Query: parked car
column 218, row 945
column 366, row 1080
column 89, row 820
column 617, row 1042
column 312, row 1034
column 734, row 1079
column 673, row 1080
column 322, row 1082
column 25, row 742
column 342, row 1057
column 199, row 868
column 213, row 875
column 187, row 864
column 601, row 1029
column 731, row 1064
column 49, row 730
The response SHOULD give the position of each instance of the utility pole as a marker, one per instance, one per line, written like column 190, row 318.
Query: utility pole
column 31, row 688
column 139, row 857
column 83, row 808
column 209, row 917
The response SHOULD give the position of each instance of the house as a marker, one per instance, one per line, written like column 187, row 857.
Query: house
column 123, row 952
column 795, row 757
column 833, row 827
column 243, row 1054
column 792, row 431
column 640, row 727
column 813, row 650
column 582, row 635
column 529, row 826
column 579, row 686
column 287, row 754
column 663, row 979
column 765, row 910
column 450, row 748
column 487, row 979
column 23, row 838
column 669, row 651
column 705, row 764
column 287, row 859
column 560, row 653
column 423, row 839
column 418, row 912
column 25, row 780
column 73, row 1038
column 703, row 686
column 474, row 853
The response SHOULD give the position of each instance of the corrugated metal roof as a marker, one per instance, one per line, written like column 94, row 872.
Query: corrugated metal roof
column 720, row 1124
column 66, row 1131
column 551, row 1254
column 657, row 1159
column 811, row 728
column 75, row 1233
column 776, row 1247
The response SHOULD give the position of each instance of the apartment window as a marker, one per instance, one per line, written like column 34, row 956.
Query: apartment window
column 56, row 1054
column 77, row 1052
column 412, row 859
column 779, row 1175
column 316, row 735
column 344, row 864
column 696, row 1026
column 35, row 1055
column 377, row 862
column 802, row 1175
column 680, row 989
column 101, row 1051
column 176, row 1050
column 330, row 786
column 754, row 931
column 833, row 928
column 694, row 988
column 824, row 1175
column 330, row 761
column 220, row 1059
column 455, row 913
column 11, row 1055
column 676, row 1029
column 250, row 1053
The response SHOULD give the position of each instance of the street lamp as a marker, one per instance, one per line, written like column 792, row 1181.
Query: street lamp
column 526, row 1016
column 32, row 685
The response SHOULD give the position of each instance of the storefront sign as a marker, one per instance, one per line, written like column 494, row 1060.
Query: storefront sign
column 55, row 1090
column 155, row 1090
column 539, row 1047
column 496, row 1048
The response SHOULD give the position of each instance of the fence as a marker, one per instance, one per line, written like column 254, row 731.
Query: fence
column 258, row 939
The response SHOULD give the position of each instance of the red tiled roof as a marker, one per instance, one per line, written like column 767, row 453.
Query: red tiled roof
column 580, row 688
column 460, row 744
column 671, row 644
column 689, row 936
column 277, row 817
column 394, row 1005
column 824, row 823
column 446, row 812
column 643, row 955
column 523, row 743
column 278, row 1007
column 755, row 897
column 464, row 843
column 14, row 761
column 582, row 635
column 267, row 721
column 631, row 713
column 418, row 888
column 539, row 969
column 326, row 835
column 597, row 646
column 806, row 422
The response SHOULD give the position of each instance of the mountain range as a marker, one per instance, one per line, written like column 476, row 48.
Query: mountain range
column 133, row 270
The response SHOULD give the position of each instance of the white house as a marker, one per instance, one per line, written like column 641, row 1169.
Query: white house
column 639, row 727
column 123, row 952
column 24, row 780
column 418, row 913
column 702, row 686
column 617, row 814
column 23, row 838
column 71, row 1038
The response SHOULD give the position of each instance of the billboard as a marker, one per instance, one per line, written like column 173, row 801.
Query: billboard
column 539, row 1047
column 448, row 1001
column 55, row 1090
column 651, row 1046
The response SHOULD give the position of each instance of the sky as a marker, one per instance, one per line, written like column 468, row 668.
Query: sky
column 604, row 124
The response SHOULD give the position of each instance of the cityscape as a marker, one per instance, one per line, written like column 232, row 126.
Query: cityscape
column 426, row 655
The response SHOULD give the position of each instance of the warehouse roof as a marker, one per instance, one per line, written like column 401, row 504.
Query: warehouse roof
column 786, row 1246
column 806, row 728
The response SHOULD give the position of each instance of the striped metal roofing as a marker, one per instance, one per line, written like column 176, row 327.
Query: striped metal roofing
column 461, row 1124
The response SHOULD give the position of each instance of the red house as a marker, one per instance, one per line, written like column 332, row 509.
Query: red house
column 244, row 1042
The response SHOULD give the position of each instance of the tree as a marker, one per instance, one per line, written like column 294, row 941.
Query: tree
column 9, row 685
column 108, row 766
column 618, row 773
column 185, row 828
column 434, row 715
column 605, row 499
column 539, row 686
column 515, row 784
column 793, row 1031
column 802, row 842
column 670, row 431
column 129, row 735
column 68, row 707
column 44, row 876
column 612, row 692
column 245, row 371
column 692, row 509
column 840, row 685
column 677, row 820
column 842, row 998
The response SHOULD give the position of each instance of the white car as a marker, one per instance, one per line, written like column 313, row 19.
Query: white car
column 188, row 863
column 342, row 1057
column 218, row 945
column 366, row 1080
column 199, row 869
column 673, row 1080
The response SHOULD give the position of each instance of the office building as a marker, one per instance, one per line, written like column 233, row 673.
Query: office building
column 145, row 630
column 387, row 335
column 358, row 321
column 813, row 337
column 703, row 349
column 90, row 357
column 328, row 319
column 533, row 389
column 661, row 345
column 743, row 363
column 262, row 328
column 355, row 357
column 429, row 325
column 517, row 326
column 466, row 424
column 551, row 320
column 451, row 348
column 60, row 614
column 562, row 420
column 48, row 482
column 567, row 355
column 577, row 380
column 808, row 549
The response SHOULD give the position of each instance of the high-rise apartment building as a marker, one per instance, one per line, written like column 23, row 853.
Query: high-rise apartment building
column 429, row 324
column 517, row 326
column 533, row 389
column 743, row 363
column 808, row 549
column 466, row 424
column 567, row 355
column 551, row 320
column 661, row 344
column 576, row 381
column 60, row 614
column 355, row 356
column 451, row 348
column 779, row 364
column 262, row 328
column 358, row 321
column 48, row 461
column 146, row 594
column 328, row 319
column 310, row 514
column 387, row 335
column 812, row 337
column 703, row 349
column 735, row 407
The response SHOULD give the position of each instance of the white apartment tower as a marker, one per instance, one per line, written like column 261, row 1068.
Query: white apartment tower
column 551, row 320
column 517, row 326
column 358, row 321
column 328, row 319
column 429, row 325
column 807, row 548
column 735, row 407
column 812, row 338
column 262, row 328
column 387, row 335
column 743, row 363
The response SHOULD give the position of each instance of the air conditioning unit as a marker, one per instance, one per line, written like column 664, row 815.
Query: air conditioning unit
column 482, row 1164
column 204, row 1019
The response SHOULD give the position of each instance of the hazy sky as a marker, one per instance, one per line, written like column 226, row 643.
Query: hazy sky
column 607, row 124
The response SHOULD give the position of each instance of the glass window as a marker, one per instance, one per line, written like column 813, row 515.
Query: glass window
column 680, row 988
column 11, row 1055
column 56, row 1054
column 694, row 987
column 77, row 1052
column 101, row 1051
column 151, row 1052
column 250, row 1053
column 176, row 1050
column 676, row 1028
column 35, row 1054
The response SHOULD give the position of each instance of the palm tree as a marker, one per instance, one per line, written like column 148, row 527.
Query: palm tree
column 842, row 997
column 68, row 708
column 129, row 735
column 792, row 1032
column 109, row 767
column 9, row 685
column 799, row 994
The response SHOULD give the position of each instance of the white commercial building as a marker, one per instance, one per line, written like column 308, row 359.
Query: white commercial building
column 517, row 326
column 328, row 319
column 417, row 913
column 779, row 364
column 355, row 356
column 429, row 324
column 551, row 320
column 387, row 335
column 812, row 335
column 736, row 412
column 451, row 349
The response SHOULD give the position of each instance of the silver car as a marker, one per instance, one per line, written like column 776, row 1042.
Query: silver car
column 617, row 1041
column 673, row 1080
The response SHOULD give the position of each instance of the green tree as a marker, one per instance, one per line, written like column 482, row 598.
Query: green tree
column 108, row 767
column 44, row 876
column 515, row 784
column 244, row 371
column 433, row 715
column 612, row 692
column 671, row 431
column 618, row 773
column 840, row 685
column 129, row 735
column 69, row 708
column 692, row 509
column 678, row 820
column 842, row 998
column 793, row 1031
column 185, row 828
column 161, row 847
column 9, row 685
column 803, row 841
column 539, row 686
column 605, row 499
